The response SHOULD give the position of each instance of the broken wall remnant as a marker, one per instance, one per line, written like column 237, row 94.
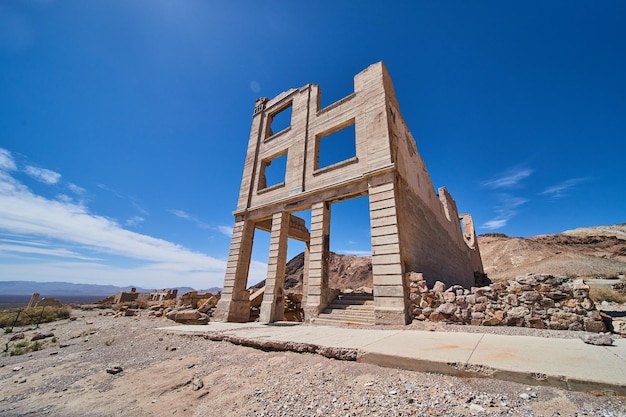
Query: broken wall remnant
column 413, row 229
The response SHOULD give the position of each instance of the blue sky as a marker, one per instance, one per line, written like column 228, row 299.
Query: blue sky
column 124, row 124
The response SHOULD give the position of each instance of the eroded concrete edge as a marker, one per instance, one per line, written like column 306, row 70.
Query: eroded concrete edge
column 484, row 371
column 458, row 369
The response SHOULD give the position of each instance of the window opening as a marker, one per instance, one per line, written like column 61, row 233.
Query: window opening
column 279, row 121
column 336, row 146
column 273, row 171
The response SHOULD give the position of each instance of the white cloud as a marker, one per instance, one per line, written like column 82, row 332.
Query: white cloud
column 28, row 215
column 43, row 175
column 508, row 179
column 134, row 221
column 226, row 230
column 495, row 224
column 6, row 161
column 184, row 215
column 37, row 250
column 506, row 210
column 181, row 214
column 560, row 190
column 76, row 189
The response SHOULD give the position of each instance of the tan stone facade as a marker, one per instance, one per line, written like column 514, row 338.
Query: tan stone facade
column 413, row 229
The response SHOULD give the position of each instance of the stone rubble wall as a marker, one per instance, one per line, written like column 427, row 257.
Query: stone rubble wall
column 536, row 300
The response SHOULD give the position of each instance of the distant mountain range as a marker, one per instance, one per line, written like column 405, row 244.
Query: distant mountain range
column 56, row 289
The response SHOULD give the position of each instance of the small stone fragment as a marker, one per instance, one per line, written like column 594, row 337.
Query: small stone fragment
column 475, row 408
column 599, row 340
column 114, row 370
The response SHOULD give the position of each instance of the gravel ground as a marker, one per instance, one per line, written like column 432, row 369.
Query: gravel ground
column 182, row 375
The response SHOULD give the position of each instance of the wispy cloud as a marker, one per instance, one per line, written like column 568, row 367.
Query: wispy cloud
column 28, row 216
column 132, row 199
column 43, row 175
column 508, row 179
column 184, row 215
column 134, row 221
column 76, row 189
column 23, row 248
column 505, row 211
column 561, row 189
column 226, row 230
column 7, row 162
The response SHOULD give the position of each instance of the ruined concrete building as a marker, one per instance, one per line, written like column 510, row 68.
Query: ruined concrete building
column 413, row 229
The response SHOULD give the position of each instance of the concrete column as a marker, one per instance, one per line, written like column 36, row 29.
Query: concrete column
column 305, row 273
column 273, row 305
column 317, row 292
column 234, row 304
column 390, row 292
column 33, row 300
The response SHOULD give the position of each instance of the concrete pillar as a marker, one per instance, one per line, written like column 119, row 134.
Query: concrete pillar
column 390, row 291
column 305, row 272
column 234, row 304
column 273, row 305
column 33, row 300
column 317, row 292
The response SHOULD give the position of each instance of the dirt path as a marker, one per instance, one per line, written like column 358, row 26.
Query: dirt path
column 169, row 374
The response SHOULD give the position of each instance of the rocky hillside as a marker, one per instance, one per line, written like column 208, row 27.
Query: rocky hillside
column 345, row 272
column 586, row 252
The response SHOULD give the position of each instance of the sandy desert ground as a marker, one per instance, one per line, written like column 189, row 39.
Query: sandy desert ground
column 172, row 374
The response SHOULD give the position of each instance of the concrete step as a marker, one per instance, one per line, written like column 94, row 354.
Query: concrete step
column 342, row 306
column 352, row 312
column 348, row 309
column 335, row 321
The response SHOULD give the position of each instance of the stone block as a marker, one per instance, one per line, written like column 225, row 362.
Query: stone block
column 594, row 326
column 439, row 287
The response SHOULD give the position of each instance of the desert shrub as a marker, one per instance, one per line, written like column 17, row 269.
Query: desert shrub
column 604, row 294
column 24, row 346
column 32, row 315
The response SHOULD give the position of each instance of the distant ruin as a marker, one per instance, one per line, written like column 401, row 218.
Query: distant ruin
column 413, row 228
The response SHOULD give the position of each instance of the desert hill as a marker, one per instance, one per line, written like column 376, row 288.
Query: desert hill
column 345, row 271
column 586, row 252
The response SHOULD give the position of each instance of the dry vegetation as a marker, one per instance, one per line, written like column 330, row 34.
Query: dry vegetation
column 31, row 315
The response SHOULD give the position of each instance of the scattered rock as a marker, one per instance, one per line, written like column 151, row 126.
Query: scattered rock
column 17, row 336
column 475, row 408
column 113, row 370
column 197, row 384
column 39, row 336
column 599, row 340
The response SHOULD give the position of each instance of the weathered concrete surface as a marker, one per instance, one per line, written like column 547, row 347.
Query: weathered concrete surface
column 565, row 363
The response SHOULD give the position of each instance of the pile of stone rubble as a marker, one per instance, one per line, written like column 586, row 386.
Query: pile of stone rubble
column 535, row 300
column 187, row 313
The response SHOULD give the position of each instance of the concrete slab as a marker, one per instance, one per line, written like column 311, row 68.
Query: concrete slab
column 422, row 351
column 566, row 363
column 550, row 361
